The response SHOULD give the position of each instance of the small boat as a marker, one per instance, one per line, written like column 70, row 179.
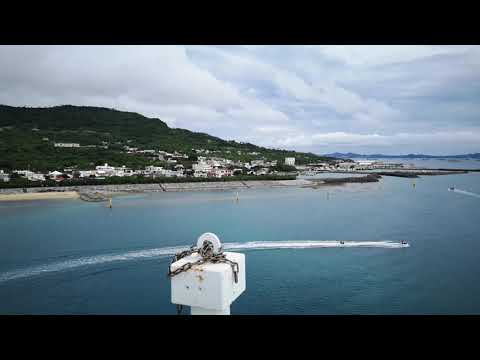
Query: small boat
column 342, row 242
column 451, row 188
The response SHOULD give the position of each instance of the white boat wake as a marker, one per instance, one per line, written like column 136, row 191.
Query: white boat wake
column 168, row 251
column 466, row 193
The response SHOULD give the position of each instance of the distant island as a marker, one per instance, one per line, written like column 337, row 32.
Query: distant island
column 408, row 156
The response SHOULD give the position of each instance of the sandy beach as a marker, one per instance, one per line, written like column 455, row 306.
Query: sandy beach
column 39, row 196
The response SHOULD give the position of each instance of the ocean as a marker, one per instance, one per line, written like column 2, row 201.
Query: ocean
column 74, row 257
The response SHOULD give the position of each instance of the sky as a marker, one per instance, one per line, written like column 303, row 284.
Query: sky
column 322, row 99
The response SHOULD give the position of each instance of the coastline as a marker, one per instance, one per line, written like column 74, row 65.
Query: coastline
column 40, row 196
column 96, row 193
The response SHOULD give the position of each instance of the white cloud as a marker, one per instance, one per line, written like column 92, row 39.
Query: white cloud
column 245, row 68
column 334, row 97
column 375, row 55
column 353, row 141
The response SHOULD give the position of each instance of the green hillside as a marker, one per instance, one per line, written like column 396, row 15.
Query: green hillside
column 23, row 134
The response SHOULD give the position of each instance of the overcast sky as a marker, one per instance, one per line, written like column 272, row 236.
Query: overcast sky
column 365, row 99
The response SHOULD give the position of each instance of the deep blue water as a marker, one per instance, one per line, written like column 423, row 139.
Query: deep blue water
column 437, row 274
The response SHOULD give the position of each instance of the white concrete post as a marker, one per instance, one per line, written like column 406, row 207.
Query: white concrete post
column 209, row 289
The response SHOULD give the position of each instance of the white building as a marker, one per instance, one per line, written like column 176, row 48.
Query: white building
column 290, row 161
column 257, row 162
column 105, row 170
column 129, row 149
column 54, row 174
column 347, row 165
column 179, row 155
column 36, row 177
column 365, row 162
column 158, row 171
column 29, row 175
column 67, row 145
column 4, row 176
column 200, row 174
column 123, row 171
column 86, row 173
column 221, row 173
column 202, row 167
column 153, row 170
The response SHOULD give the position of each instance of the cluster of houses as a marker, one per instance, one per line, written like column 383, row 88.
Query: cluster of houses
column 100, row 172
column 203, row 167
column 219, row 167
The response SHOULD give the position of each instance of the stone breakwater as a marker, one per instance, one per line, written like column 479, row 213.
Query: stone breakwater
column 101, row 192
column 231, row 185
column 418, row 173
column 358, row 179
column 93, row 196
column 319, row 183
column 88, row 189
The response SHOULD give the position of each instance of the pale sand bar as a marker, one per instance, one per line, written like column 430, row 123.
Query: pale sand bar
column 40, row 196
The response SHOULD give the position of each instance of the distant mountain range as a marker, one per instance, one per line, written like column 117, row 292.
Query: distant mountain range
column 408, row 156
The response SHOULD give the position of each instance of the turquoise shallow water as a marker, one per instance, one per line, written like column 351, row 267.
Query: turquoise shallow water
column 69, row 257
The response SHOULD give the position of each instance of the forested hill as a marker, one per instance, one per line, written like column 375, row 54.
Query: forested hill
column 27, row 137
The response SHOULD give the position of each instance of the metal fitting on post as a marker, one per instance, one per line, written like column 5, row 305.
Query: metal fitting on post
column 206, row 278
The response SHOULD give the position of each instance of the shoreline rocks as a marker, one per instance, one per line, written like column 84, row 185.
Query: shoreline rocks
column 340, row 181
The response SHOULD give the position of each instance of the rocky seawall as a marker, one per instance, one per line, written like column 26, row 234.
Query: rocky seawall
column 96, row 193
column 418, row 173
column 316, row 183
column 93, row 196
